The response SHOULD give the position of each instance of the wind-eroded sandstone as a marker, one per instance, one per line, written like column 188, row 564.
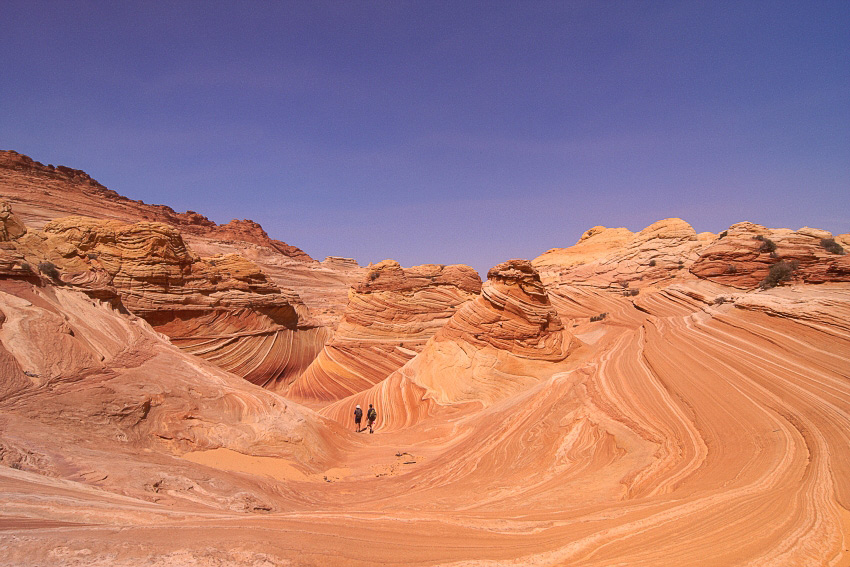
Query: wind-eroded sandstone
column 667, row 250
column 221, row 308
column 745, row 254
column 391, row 314
column 691, row 418
column 606, row 257
column 94, row 396
column 40, row 193
column 498, row 344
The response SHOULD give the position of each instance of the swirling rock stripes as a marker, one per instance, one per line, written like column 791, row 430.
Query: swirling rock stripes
column 390, row 316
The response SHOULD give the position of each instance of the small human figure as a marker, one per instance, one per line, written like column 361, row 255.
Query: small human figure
column 371, row 415
column 358, row 416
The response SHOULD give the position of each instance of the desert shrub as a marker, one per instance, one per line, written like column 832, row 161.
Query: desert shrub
column 731, row 269
column 722, row 234
column 374, row 275
column 91, row 256
column 26, row 267
column 631, row 292
column 767, row 245
column 830, row 245
column 599, row 317
column 719, row 300
column 759, row 237
column 778, row 273
column 49, row 269
column 652, row 262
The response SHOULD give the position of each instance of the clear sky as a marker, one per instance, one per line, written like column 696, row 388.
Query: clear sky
column 442, row 132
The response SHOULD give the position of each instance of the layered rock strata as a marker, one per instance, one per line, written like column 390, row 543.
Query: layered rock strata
column 747, row 252
column 390, row 316
column 221, row 308
column 671, row 250
column 92, row 397
column 617, row 258
column 502, row 342
column 41, row 193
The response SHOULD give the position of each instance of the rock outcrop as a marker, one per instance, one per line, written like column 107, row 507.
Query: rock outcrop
column 618, row 258
column 746, row 253
column 502, row 342
column 220, row 308
column 11, row 227
column 40, row 193
column 390, row 316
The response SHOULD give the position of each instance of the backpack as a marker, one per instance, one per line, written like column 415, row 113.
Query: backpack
column 358, row 413
column 372, row 414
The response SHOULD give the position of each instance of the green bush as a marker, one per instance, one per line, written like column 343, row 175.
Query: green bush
column 49, row 269
column 830, row 245
column 778, row 273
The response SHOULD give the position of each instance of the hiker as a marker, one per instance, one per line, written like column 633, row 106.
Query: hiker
column 358, row 415
column 371, row 415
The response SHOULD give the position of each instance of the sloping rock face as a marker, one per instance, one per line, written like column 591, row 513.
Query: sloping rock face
column 221, row 308
column 91, row 396
column 744, row 256
column 502, row 342
column 40, row 193
column 618, row 258
column 391, row 314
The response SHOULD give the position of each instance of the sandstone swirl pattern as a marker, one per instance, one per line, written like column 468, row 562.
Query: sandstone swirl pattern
column 639, row 403
column 502, row 342
column 220, row 308
column 390, row 316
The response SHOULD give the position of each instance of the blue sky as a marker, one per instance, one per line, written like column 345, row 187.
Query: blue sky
column 442, row 132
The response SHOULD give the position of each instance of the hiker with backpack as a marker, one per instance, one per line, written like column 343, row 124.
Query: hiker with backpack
column 371, row 415
column 358, row 415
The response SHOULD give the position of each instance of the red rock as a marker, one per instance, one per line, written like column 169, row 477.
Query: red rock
column 390, row 316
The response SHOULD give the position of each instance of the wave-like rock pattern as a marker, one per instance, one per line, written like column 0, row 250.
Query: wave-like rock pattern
column 221, row 308
column 502, row 342
column 391, row 314
column 75, row 360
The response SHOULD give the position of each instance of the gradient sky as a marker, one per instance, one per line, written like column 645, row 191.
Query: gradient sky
column 442, row 132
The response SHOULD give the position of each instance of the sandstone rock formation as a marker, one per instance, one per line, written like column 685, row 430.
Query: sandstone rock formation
column 744, row 256
column 390, row 315
column 740, row 256
column 92, row 396
column 498, row 344
column 220, row 308
column 11, row 227
column 619, row 258
column 692, row 417
column 40, row 193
